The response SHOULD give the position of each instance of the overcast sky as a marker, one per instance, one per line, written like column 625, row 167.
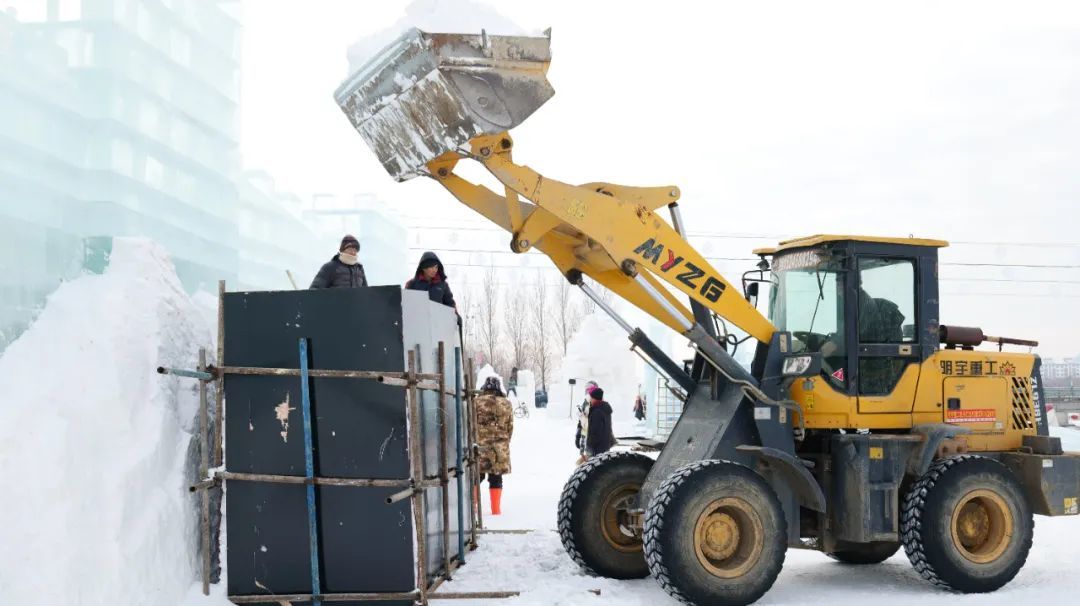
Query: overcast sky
column 954, row 120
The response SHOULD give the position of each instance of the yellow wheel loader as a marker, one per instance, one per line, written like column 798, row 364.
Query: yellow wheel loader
column 865, row 424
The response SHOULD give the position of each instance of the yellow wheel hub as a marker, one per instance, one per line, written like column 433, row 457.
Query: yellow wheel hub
column 614, row 523
column 982, row 526
column 728, row 537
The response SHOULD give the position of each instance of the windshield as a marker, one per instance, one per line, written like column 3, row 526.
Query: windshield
column 807, row 300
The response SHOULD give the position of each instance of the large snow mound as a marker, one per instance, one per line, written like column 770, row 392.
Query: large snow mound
column 96, row 448
column 442, row 16
column 599, row 351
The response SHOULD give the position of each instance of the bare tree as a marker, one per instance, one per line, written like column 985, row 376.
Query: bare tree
column 516, row 325
column 467, row 297
column 568, row 314
column 489, row 328
column 541, row 328
column 463, row 296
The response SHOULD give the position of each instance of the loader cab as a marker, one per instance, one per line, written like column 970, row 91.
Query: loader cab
column 868, row 305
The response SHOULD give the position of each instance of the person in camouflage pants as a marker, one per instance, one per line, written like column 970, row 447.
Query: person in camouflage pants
column 494, row 426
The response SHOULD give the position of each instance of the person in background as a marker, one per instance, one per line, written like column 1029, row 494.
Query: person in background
column 512, row 383
column 639, row 407
column 583, row 422
column 495, row 426
column 600, row 436
column 344, row 270
column 431, row 276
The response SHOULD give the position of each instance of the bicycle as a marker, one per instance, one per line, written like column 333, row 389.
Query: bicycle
column 521, row 411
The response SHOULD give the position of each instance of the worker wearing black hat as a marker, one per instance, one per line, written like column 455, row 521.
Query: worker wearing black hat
column 344, row 270
column 431, row 277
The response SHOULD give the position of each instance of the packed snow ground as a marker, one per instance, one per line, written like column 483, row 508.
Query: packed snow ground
column 543, row 455
column 96, row 450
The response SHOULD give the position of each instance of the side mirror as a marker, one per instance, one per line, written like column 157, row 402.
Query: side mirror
column 752, row 292
column 573, row 381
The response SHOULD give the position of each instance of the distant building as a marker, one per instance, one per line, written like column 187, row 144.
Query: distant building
column 1061, row 372
column 119, row 118
column 274, row 238
column 43, row 141
column 383, row 238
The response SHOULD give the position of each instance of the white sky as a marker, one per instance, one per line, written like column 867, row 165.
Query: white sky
column 955, row 120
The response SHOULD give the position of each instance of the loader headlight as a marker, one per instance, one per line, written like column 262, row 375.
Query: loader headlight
column 795, row 366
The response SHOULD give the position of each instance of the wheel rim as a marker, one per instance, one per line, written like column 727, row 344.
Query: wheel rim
column 614, row 522
column 982, row 526
column 728, row 537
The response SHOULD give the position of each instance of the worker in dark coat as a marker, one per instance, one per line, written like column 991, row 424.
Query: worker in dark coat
column 431, row 276
column 344, row 270
column 600, row 437
column 583, row 422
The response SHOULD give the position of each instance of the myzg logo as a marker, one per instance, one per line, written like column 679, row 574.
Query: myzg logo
column 650, row 250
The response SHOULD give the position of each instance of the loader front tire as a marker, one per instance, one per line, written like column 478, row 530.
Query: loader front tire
column 715, row 534
column 966, row 525
column 593, row 520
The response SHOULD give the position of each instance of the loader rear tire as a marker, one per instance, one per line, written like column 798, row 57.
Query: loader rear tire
column 860, row 554
column 592, row 515
column 966, row 525
column 715, row 534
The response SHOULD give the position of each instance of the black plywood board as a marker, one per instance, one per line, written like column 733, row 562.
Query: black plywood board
column 359, row 432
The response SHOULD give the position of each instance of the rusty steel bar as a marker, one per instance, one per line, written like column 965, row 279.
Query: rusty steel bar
column 416, row 464
column 219, row 395
column 374, row 597
column 203, row 485
column 180, row 372
column 319, row 481
column 475, row 595
column 458, row 460
column 408, row 492
column 329, row 374
column 424, row 381
column 204, row 470
column 326, row 597
column 402, row 495
column 438, row 581
column 478, row 510
column 444, row 476
column 494, row 531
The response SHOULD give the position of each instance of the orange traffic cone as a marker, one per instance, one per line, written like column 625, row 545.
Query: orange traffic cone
column 496, row 501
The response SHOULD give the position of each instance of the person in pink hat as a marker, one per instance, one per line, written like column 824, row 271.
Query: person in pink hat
column 583, row 421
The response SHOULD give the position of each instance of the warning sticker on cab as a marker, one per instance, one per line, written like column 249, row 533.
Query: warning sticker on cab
column 971, row 415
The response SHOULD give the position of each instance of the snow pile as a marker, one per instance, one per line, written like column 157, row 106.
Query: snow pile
column 487, row 370
column 442, row 16
column 96, row 448
column 600, row 351
column 526, row 389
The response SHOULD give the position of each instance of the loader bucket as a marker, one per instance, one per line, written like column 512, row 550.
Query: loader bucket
column 427, row 94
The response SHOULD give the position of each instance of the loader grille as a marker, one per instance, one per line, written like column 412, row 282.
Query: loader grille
column 1023, row 406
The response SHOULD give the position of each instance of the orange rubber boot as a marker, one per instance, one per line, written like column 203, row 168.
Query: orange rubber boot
column 496, row 501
